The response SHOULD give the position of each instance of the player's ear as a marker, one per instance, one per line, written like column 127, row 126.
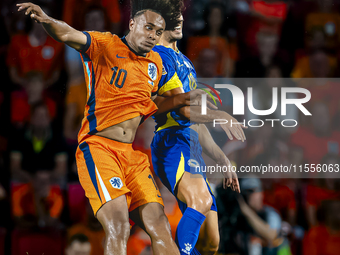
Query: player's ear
column 132, row 24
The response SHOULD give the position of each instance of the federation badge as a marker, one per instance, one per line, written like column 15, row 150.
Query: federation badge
column 152, row 71
column 116, row 182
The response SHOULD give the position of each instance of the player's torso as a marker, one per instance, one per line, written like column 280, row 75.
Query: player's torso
column 122, row 73
column 119, row 85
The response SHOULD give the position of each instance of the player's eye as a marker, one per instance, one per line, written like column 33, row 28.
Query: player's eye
column 159, row 33
column 148, row 28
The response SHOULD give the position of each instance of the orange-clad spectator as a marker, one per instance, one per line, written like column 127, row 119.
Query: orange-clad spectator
column 35, row 51
column 38, row 203
column 73, row 9
column 92, row 229
column 281, row 198
column 317, row 65
column 318, row 140
column 326, row 20
column 325, row 238
column 212, row 37
column 33, row 92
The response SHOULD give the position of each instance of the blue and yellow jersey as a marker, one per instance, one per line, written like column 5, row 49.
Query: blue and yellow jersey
column 178, row 72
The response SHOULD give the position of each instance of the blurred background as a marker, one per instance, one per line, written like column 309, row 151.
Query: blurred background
column 42, row 99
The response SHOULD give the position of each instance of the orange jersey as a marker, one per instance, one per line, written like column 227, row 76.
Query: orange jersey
column 119, row 82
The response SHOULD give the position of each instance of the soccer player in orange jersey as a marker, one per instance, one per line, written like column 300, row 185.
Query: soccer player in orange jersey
column 121, row 75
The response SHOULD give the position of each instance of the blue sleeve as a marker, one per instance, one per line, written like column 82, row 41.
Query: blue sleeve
column 169, row 78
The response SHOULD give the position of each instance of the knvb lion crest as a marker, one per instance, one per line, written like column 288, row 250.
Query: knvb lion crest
column 116, row 182
column 152, row 71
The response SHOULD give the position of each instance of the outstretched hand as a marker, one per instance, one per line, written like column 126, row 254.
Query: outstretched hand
column 230, row 178
column 232, row 128
column 34, row 11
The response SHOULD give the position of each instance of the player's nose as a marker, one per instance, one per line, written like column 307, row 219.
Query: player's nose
column 152, row 35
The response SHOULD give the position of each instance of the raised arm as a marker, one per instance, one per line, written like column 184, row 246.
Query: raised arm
column 57, row 29
column 214, row 152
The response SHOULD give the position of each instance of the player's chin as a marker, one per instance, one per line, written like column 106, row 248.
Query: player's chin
column 177, row 35
column 146, row 48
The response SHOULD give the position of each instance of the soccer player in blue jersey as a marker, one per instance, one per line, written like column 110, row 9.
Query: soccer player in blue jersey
column 177, row 151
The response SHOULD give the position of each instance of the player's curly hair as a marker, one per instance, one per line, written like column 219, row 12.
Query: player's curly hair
column 170, row 10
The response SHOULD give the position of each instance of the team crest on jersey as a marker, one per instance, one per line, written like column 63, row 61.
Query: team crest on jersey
column 193, row 163
column 164, row 72
column 116, row 182
column 152, row 71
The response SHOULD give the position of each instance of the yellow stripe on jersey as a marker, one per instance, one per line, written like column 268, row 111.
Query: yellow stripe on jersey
column 180, row 170
column 173, row 83
column 170, row 122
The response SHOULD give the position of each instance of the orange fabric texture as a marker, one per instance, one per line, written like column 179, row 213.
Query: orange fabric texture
column 115, row 169
column 23, row 201
column 119, row 83
column 26, row 58
column 321, row 240
column 96, row 238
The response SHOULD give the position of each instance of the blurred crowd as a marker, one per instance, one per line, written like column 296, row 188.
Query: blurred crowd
column 42, row 99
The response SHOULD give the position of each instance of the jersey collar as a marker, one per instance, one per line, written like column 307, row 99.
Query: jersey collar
column 126, row 43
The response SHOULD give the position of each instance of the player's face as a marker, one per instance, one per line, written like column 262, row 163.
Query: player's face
column 146, row 30
column 176, row 34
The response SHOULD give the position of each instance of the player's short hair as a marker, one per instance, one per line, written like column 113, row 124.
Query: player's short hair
column 170, row 10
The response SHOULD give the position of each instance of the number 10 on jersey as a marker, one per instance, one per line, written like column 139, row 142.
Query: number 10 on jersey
column 116, row 80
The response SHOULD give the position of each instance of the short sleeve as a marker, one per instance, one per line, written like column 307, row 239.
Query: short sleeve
column 169, row 79
column 96, row 42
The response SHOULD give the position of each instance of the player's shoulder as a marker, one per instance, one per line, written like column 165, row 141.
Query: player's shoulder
column 102, row 36
column 167, row 54
column 155, row 57
column 164, row 51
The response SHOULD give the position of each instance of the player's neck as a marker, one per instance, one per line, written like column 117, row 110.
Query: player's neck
column 166, row 43
column 132, row 47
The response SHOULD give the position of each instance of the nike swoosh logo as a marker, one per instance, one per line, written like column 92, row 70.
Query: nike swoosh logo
column 119, row 56
column 158, row 195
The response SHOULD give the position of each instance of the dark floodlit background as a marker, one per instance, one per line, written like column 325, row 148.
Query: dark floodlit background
column 42, row 98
